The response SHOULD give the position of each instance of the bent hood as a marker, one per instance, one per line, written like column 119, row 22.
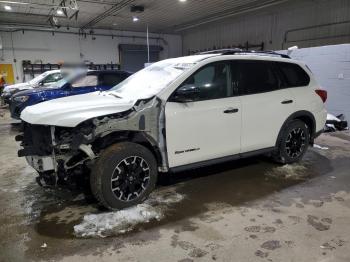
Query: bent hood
column 71, row 111
column 20, row 86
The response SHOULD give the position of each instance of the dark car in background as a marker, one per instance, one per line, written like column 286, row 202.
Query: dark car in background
column 75, row 84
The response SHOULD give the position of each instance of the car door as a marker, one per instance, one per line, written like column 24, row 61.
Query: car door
column 84, row 84
column 109, row 80
column 207, row 124
column 265, row 103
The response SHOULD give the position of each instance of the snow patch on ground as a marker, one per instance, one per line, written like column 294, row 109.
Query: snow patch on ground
column 119, row 222
column 320, row 147
column 293, row 171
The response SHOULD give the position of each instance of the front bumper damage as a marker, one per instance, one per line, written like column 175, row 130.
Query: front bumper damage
column 38, row 147
column 61, row 153
column 44, row 163
column 41, row 163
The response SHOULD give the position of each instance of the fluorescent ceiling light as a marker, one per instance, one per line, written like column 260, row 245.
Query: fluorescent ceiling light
column 135, row 19
column 7, row 7
column 59, row 12
column 182, row 1
column 13, row 2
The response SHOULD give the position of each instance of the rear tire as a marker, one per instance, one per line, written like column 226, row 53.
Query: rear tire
column 124, row 175
column 293, row 142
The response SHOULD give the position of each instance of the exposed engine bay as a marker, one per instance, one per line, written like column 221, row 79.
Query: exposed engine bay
column 63, row 156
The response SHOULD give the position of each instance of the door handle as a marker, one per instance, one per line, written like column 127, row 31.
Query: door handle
column 231, row 111
column 287, row 102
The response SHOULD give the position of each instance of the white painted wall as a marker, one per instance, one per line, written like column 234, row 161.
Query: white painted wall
column 331, row 66
column 48, row 48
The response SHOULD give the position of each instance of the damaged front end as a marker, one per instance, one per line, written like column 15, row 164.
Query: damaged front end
column 55, row 153
column 64, row 156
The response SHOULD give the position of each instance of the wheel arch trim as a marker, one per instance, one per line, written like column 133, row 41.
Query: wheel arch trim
column 300, row 115
column 138, row 137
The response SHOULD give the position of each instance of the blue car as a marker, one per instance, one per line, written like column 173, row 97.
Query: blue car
column 77, row 84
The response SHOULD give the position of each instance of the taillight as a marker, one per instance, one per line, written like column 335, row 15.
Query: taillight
column 323, row 94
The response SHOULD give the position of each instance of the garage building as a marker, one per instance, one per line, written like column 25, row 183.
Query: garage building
column 242, row 210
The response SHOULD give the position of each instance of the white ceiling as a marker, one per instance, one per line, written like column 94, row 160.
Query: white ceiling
column 160, row 15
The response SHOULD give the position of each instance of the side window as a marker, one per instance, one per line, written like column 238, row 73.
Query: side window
column 85, row 81
column 254, row 77
column 111, row 79
column 295, row 76
column 212, row 81
column 52, row 78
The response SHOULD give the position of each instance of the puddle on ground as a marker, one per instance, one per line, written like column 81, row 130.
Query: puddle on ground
column 41, row 219
column 179, row 196
column 52, row 216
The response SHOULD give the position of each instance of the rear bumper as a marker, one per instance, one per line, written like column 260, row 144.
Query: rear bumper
column 320, row 118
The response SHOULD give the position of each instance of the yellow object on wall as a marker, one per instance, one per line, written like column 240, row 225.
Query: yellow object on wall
column 6, row 70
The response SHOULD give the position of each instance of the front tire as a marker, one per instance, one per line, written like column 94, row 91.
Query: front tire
column 124, row 175
column 293, row 142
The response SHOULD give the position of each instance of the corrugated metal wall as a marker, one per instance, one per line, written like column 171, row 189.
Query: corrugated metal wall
column 303, row 23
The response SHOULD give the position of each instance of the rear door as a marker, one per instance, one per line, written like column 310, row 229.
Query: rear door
column 265, row 103
column 208, row 127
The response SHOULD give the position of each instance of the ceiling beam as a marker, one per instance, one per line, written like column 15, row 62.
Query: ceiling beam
column 257, row 5
column 111, row 11
column 24, row 3
column 54, row 5
column 14, row 14
column 97, row 2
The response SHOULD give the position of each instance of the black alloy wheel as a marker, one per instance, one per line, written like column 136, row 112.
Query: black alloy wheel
column 295, row 143
column 123, row 175
column 292, row 143
column 130, row 178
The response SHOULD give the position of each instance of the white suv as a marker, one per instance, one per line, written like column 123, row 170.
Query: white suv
column 176, row 114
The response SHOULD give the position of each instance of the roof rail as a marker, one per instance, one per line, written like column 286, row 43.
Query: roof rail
column 220, row 51
column 236, row 51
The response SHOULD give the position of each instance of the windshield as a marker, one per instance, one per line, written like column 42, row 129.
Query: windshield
column 60, row 83
column 69, row 77
column 35, row 81
column 151, row 80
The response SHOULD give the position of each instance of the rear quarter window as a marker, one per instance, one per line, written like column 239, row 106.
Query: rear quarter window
column 294, row 74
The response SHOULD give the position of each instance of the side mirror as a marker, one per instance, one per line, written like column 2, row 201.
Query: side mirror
column 186, row 93
column 41, row 83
